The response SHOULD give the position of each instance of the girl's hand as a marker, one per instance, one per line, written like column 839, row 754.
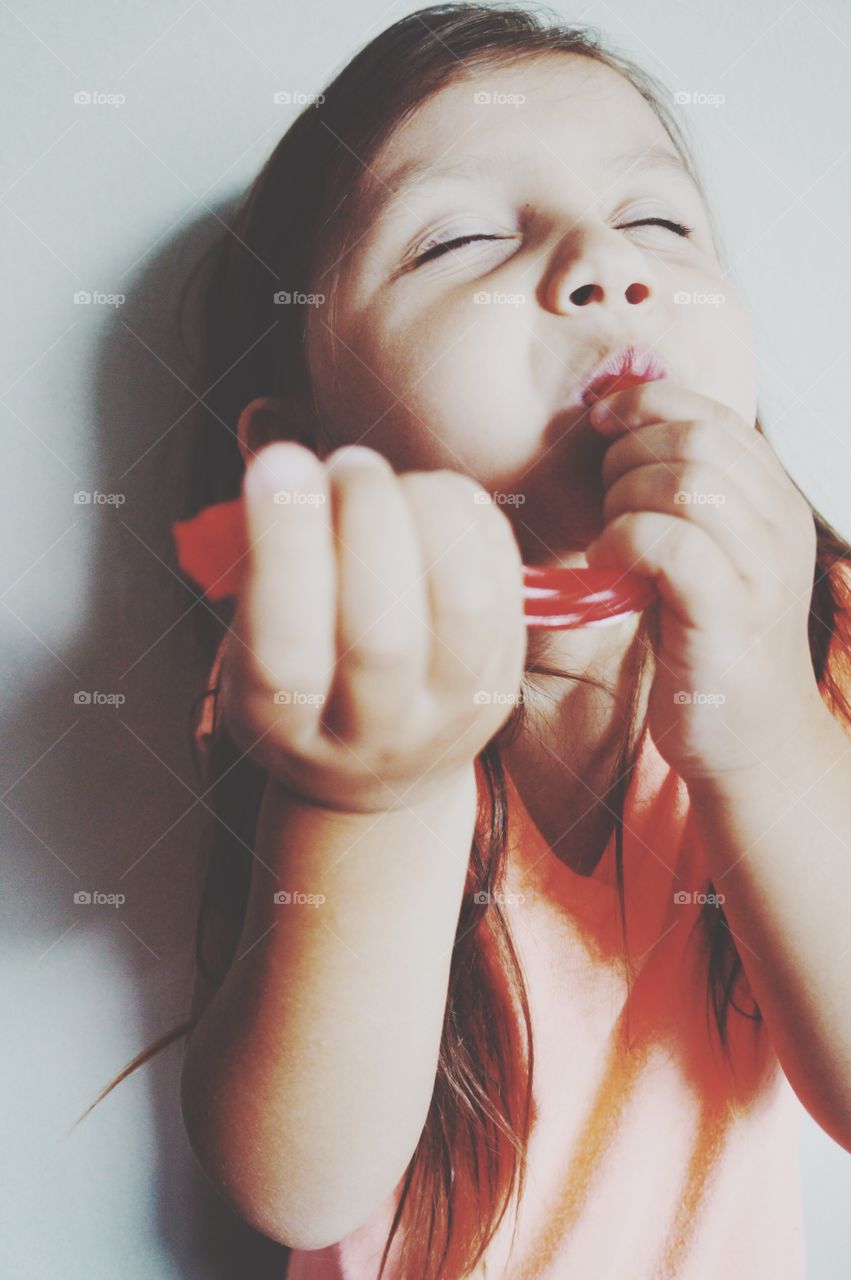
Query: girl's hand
column 379, row 640
column 697, row 500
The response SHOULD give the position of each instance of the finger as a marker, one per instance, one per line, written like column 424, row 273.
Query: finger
column 699, row 494
column 464, row 583
column 509, row 656
column 662, row 401
column 285, row 613
column 750, row 462
column 693, row 575
column 504, row 664
column 382, row 623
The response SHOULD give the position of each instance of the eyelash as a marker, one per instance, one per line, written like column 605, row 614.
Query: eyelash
column 446, row 246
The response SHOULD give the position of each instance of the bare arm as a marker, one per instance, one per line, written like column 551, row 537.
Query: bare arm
column 308, row 1078
column 778, row 837
column 307, row 1081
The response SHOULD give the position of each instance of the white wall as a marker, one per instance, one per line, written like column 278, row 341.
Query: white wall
column 118, row 199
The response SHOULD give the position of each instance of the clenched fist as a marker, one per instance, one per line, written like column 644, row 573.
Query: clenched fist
column 379, row 640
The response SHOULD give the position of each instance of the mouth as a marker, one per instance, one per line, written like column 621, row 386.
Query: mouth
column 627, row 367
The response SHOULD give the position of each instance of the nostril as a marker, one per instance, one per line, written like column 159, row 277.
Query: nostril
column 579, row 297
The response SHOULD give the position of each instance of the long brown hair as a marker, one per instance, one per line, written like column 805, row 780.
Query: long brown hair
column 295, row 222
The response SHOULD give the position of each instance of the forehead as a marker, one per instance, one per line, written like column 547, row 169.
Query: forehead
column 568, row 110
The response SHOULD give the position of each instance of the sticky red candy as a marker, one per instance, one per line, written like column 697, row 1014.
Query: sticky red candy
column 212, row 550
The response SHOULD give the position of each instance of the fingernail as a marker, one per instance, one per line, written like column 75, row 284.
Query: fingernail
column 601, row 414
column 282, row 464
column 353, row 455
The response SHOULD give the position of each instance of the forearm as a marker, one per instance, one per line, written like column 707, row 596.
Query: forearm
column 778, row 841
column 308, row 1079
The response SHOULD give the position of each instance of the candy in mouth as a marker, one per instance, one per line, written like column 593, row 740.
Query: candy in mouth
column 618, row 382
column 625, row 368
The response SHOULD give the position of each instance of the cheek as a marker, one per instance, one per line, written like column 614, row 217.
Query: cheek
column 448, row 390
column 724, row 335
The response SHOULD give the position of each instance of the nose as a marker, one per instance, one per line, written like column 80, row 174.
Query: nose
column 598, row 267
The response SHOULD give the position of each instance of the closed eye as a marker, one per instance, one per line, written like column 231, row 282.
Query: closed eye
column 678, row 227
column 447, row 246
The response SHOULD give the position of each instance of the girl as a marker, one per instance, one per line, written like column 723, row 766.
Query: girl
column 518, row 952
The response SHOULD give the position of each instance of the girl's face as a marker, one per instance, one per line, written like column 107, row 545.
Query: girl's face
column 473, row 358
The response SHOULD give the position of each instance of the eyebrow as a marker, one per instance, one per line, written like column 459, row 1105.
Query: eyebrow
column 423, row 173
column 641, row 159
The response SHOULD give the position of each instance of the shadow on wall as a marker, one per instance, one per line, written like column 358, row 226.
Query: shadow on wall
column 114, row 793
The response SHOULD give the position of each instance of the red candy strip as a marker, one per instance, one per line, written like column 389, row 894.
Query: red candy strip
column 212, row 547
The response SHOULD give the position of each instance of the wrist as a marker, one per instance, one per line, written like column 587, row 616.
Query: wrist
column 791, row 757
column 426, row 793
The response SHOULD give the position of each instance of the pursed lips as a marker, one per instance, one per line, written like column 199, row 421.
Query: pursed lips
column 628, row 367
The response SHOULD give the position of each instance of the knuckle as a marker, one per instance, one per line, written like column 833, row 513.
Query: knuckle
column 621, row 526
column 625, row 533
column 611, row 500
column 691, row 477
column 613, row 456
column 246, row 716
column 377, row 650
column 696, row 441
column 275, row 665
